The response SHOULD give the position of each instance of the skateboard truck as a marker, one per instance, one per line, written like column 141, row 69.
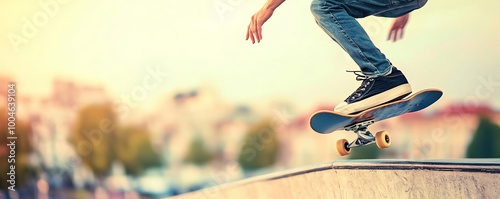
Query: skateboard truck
column 365, row 137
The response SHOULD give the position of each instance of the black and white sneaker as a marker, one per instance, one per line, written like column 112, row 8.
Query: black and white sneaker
column 375, row 91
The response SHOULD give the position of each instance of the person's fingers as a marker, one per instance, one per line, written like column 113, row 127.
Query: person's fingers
column 401, row 33
column 394, row 35
column 258, row 27
column 251, row 37
column 398, row 35
column 391, row 34
column 259, row 31
column 255, row 30
column 248, row 32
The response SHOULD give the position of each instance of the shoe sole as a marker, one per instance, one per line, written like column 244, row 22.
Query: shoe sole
column 390, row 95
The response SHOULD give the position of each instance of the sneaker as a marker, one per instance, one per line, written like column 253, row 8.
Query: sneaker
column 375, row 91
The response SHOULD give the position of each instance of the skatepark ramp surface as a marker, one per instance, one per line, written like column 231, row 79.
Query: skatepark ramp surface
column 469, row 178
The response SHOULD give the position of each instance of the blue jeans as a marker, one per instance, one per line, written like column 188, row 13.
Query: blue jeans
column 338, row 19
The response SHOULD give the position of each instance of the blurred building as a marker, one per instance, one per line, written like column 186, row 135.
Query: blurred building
column 52, row 119
column 202, row 113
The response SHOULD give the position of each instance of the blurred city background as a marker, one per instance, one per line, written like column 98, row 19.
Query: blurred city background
column 149, row 99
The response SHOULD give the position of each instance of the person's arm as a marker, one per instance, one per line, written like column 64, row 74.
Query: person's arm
column 254, row 30
column 397, row 29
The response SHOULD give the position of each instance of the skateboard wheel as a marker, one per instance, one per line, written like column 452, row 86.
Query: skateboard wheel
column 383, row 139
column 342, row 147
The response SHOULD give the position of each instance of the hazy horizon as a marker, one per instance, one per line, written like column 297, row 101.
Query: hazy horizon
column 114, row 44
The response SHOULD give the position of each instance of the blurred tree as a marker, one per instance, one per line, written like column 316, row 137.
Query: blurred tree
column 367, row 152
column 485, row 142
column 93, row 137
column 260, row 147
column 198, row 153
column 99, row 142
column 135, row 151
column 23, row 149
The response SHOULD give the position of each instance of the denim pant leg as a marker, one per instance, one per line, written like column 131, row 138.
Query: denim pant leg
column 338, row 19
column 401, row 7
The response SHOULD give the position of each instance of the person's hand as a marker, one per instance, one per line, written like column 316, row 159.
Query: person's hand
column 397, row 29
column 254, row 31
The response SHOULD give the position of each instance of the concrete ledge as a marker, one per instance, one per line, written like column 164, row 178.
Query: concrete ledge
column 475, row 178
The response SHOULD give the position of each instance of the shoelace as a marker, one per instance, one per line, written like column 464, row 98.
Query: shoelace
column 366, row 82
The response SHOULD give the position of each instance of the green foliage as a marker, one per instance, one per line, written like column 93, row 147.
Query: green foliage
column 198, row 153
column 22, row 149
column 135, row 151
column 99, row 142
column 366, row 152
column 260, row 147
column 485, row 143
column 93, row 137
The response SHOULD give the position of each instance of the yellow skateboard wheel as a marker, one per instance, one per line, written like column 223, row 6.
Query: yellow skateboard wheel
column 383, row 139
column 342, row 148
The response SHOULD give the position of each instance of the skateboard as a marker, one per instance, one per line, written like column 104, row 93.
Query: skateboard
column 325, row 121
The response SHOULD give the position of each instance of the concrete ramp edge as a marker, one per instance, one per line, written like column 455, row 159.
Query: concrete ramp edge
column 470, row 178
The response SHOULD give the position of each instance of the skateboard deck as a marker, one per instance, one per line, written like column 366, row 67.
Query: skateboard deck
column 326, row 121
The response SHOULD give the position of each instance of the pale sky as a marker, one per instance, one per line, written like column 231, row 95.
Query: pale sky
column 449, row 44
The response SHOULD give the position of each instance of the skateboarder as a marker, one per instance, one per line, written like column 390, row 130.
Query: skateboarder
column 381, row 81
